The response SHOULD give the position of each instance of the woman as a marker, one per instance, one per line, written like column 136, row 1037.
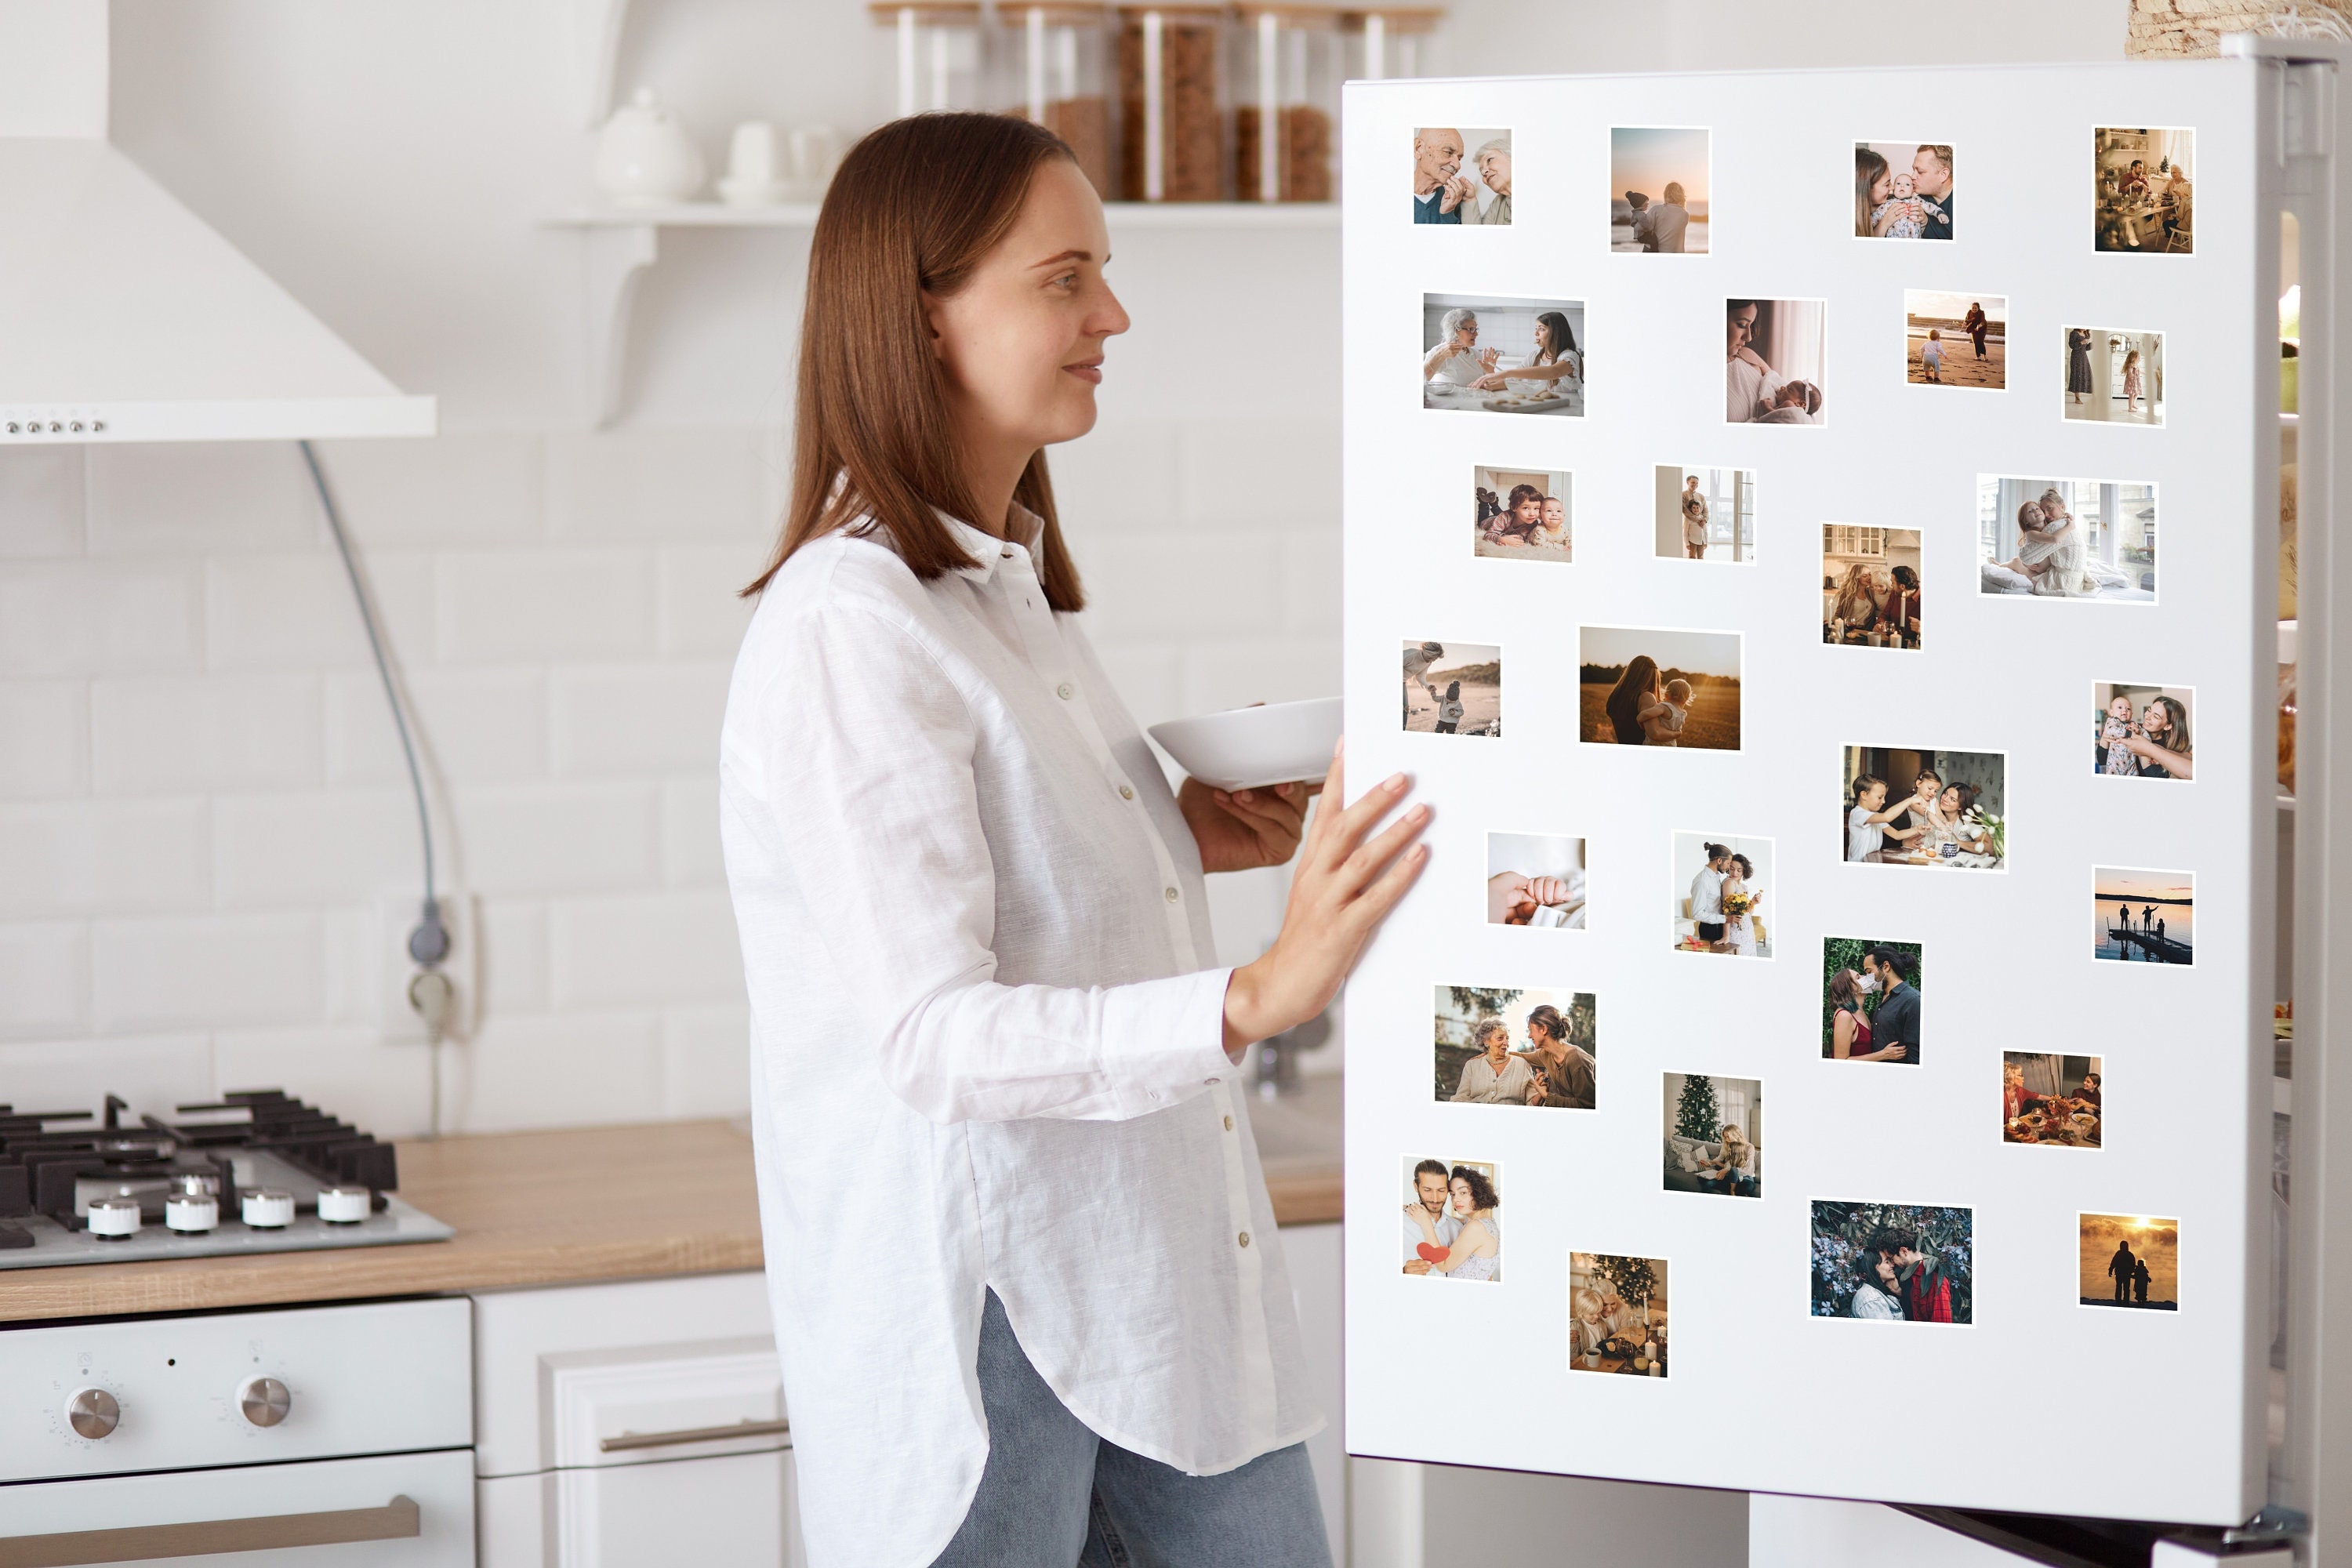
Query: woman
column 1974, row 324
column 1670, row 220
column 2162, row 745
column 1493, row 161
column 1555, row 358
column 1739, row 930
column 1849, row 1025
column 2078, row 364
column 1494, row 1077
column 1418, row 662
column 1477, row 1250
column 1856, row 608
column 975, row 932
column 2050, row 551
column 1872, row 183
column 1452, row 362
column 1518, row 521
column 1558, row 1053
column 1753, row 389
column 1636, row 689
column 1880, row 1295
column 1733, row 1172
column 1945, row 822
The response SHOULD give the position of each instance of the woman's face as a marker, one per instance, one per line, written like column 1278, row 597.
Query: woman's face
column 1543, row 338
column 1883, row 1268
column 1464, row 1205
column 1538, row 1034
column 1880, row 186
column 1466, row 333
column 2156, row 720
column 1739, row 328
column 1498, row 1048
column 1021, row 344
column 1495, row 168
column 1948, row 803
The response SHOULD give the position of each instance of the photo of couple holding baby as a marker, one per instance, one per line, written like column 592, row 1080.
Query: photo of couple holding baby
column 2142, row 731
column 1915, row 807
column 1474, row 1062
column 1453, row 1219
column 1902, row 191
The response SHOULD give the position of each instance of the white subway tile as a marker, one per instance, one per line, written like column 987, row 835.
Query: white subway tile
column 275, row 612
column 506, row 605
column 472, row 726
column 44, row 981
column 707, row 1062
column 592, row 1069
column 1236, row 673
column 352, row 974
column 382, row 1088
column 691, row 857
column 197, row 497
column 154, row 1072
column 638, row 719
column 562, row 838
column 1308, row 580
column 700, row 615
column 44, row 739
column 41, row 490
column 1261, row 470
column 457, row 490
column 104, row 856
column 644, row 950
column 1121, row 476
column 87, row 617
column 158, row 734
column 1191, row 585
column 514, row 957
column 656, row 484
column 285, row 852
column 207, row 972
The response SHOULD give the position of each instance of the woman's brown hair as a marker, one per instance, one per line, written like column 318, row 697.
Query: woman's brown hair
column 1626, row 699
column 912, row 210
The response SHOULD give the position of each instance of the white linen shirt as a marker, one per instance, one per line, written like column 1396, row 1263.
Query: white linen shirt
column 985, row 1054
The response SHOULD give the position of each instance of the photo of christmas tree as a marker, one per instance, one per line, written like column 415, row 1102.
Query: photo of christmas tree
column 1715, row 1135
column 1617, row 1314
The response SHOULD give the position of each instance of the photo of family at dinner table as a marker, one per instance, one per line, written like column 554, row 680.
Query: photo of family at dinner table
column 2141, row 183
column 1718, row 883
column 2140, row 732
column 1641, row 686
column 1774, row 354
column 1617, row 1314
column 1706, row 514
column 1903, row 190
column 1453, row 1219
column 1955, row 340
column 1657, row 190
column 2066, row 539
column 1914, row 806
column 2129, row 1260
column 1522, row 514
column 2115, row 376
column 1453, row 689
column 1460, row 175
column 2142, row 917
column 2051, row 1099
column 1870, row 586
column 1715, row 1135
column 1477, row 1027
column 1870, row 1000
column 1535, row 879
column 1493, row 356
column 1893, row 1263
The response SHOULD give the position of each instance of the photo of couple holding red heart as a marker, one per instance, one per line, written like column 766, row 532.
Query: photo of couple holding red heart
column 1453, row 1219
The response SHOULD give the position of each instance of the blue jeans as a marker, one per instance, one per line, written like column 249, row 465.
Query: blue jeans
column 1055, row 1495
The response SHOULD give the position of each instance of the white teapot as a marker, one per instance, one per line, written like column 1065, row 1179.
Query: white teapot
column 645, row 157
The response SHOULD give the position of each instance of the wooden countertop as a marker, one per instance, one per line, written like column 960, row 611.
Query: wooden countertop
column 531, row 1209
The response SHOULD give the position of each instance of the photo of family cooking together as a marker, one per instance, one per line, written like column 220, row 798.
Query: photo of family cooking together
column 1955, row 340
column 1706, row 514
column 1775, row 352
column 1617, row 1314
column 1452, row 690
column 2066, row 539
column 2050, row 1099
column 1522, row 514
column 1903, row 190
column 1718, row 884
column 1461, row 176
column 1908, row 807
column 2129, row 1260
column 2141, row 732
column 2142, row 917
column 1715, row 1135
column 1535, row 879
column 2141, row 185
column 1640, row 686
column 1870, row 1000
column 1657, row 185
column 1870, row 586
column 1502, row 356
column 1453, row 1219
column 1893, row 1263
column 1476, row 1065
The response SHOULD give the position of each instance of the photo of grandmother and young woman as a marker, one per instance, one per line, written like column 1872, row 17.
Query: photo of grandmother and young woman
column 1718, row 885
column 1454, row 1218
column 1460, row 175
column 1657, row 190
column 1914, row 806
column 1870, row 1000
column 1494, row 355
column 1522, row 514
column 2066, row 539
column 1870, row 586
column 1617, row 1314
column 1706, row 514
column 1645, row 686
column 2141, row 732
column 1477, row 1027
column 1903, row 190
column 1774, row 354
column 1453, row 689
column 1535, row 879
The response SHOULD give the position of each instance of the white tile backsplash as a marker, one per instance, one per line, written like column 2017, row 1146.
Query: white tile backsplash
column 41, row 502
column 44, row 979
column 44, row 739
column 631, row 720
column 644, row 950
column 93, row 617
column 503, row 606
column 78, row 857
column 199, row 498
column 184, row 734
column 208, row 971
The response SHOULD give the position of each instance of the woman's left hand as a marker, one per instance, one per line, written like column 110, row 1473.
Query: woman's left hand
column 1240, row 830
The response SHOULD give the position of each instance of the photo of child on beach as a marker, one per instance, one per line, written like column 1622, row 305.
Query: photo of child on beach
column 1522, row 514
column 1908, row 805
column 2115, row 375
column 2141, row 185
column 1493, row 356
column 1657, row 190
column 1706, row 514
column 1453, row 689
column 1955, row 340
column 1454, row 1218
column 1473, row 1034
column 2141, row 732
column 1617, row 1314
column 1460, row 175
column 2054, row 1100
column 1903, row 190
column 2066, row 539
column 1535, row 879
column 2144, row 917
column 2129, row 1260
column 1776, row 353
column 1640, row 686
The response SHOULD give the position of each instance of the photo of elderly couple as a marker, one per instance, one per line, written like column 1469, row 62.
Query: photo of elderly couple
column 1535, row 879
column 1657, row 183
column 1870, row 586
column 1775, row 352
column 1718, row 884
column 1715, row 1135
column 1453, row 1219
column 1870, row 1000
column 2141, row 732
column 1893, row 1263
column 2066, row 539
column 1475, row 1025
column 1455, row 689
column 1496, row 356
column 1461, row 176
column 1521, row 514
column 1617, row 1314
column 1903, row 190
column 1647, row 686
column 2129, row 1260
column 1908, row 805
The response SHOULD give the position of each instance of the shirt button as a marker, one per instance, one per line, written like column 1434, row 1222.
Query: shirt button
column 1245, row 1239
column 1171, row 894
column 1008, row 553
column 1229, row 1124
column 1063, row 692
column 1210, row 1082
column 1127, row 792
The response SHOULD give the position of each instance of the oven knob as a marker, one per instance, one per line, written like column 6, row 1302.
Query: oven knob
column 92, row 1412
column 191, row 1214
column 268, row 1209
column 345, row 1206
column 263, row 1400
column 114, row 1219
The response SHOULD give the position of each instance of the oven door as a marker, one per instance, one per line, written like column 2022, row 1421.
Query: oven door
column 409, row 1509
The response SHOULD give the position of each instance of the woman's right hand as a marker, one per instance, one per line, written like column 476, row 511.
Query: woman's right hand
column 1347, row 882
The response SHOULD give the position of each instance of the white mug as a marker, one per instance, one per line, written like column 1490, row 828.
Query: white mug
column 751, row 156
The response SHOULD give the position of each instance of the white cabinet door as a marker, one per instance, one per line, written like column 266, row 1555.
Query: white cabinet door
column 737, row 1510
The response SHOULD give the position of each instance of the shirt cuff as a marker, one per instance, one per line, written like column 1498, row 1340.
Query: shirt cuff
column 1165, row 1039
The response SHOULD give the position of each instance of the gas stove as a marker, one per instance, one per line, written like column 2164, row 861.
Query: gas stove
column 256, row 1171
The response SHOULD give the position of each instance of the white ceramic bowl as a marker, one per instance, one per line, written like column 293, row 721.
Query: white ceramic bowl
column 1249, row 748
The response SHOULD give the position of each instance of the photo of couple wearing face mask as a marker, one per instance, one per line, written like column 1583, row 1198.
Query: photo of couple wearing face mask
column 1870, row 1009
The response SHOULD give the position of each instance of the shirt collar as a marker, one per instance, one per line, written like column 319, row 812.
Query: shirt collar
column 1023, row 528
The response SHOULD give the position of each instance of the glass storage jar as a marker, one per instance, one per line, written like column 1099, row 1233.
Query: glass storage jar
column 1390, row 43
column 932, row 53
column 1056, row 73
column 1170, row 136
column 1286, row 87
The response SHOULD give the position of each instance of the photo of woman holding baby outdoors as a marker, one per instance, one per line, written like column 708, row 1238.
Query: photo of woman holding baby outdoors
column 1641, row 686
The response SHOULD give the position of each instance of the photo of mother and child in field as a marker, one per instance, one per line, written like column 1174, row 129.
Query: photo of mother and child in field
column 1476, row 1065
column 1639, row 686
column 1893, row 1263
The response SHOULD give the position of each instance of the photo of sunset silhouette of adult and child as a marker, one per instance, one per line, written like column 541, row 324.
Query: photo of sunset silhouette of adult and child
column 1640, row 686
column 2130, row 1260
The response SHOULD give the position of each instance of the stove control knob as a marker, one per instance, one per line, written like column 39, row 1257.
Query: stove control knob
column 191, row 1214
column 263, row 1400
column 268, row 1209
column 345, row 1206
column 114, row 1219
column 92, row 1412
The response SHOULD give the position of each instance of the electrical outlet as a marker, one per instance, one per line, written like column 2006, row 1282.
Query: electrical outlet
column 397, row 916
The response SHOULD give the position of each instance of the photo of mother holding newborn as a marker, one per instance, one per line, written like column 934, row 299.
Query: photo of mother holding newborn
column 1774, row 354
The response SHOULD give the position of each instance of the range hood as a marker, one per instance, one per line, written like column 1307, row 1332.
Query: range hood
column 123, row 316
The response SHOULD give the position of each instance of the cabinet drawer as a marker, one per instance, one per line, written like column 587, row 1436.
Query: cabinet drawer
column 737, row 1510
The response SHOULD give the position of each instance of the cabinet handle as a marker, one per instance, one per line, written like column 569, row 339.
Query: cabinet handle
column 395, row 1520
column 747, row 1427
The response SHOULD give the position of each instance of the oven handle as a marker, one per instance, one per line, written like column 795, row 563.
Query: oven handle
column 627, row 1440
column 395, row 1520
